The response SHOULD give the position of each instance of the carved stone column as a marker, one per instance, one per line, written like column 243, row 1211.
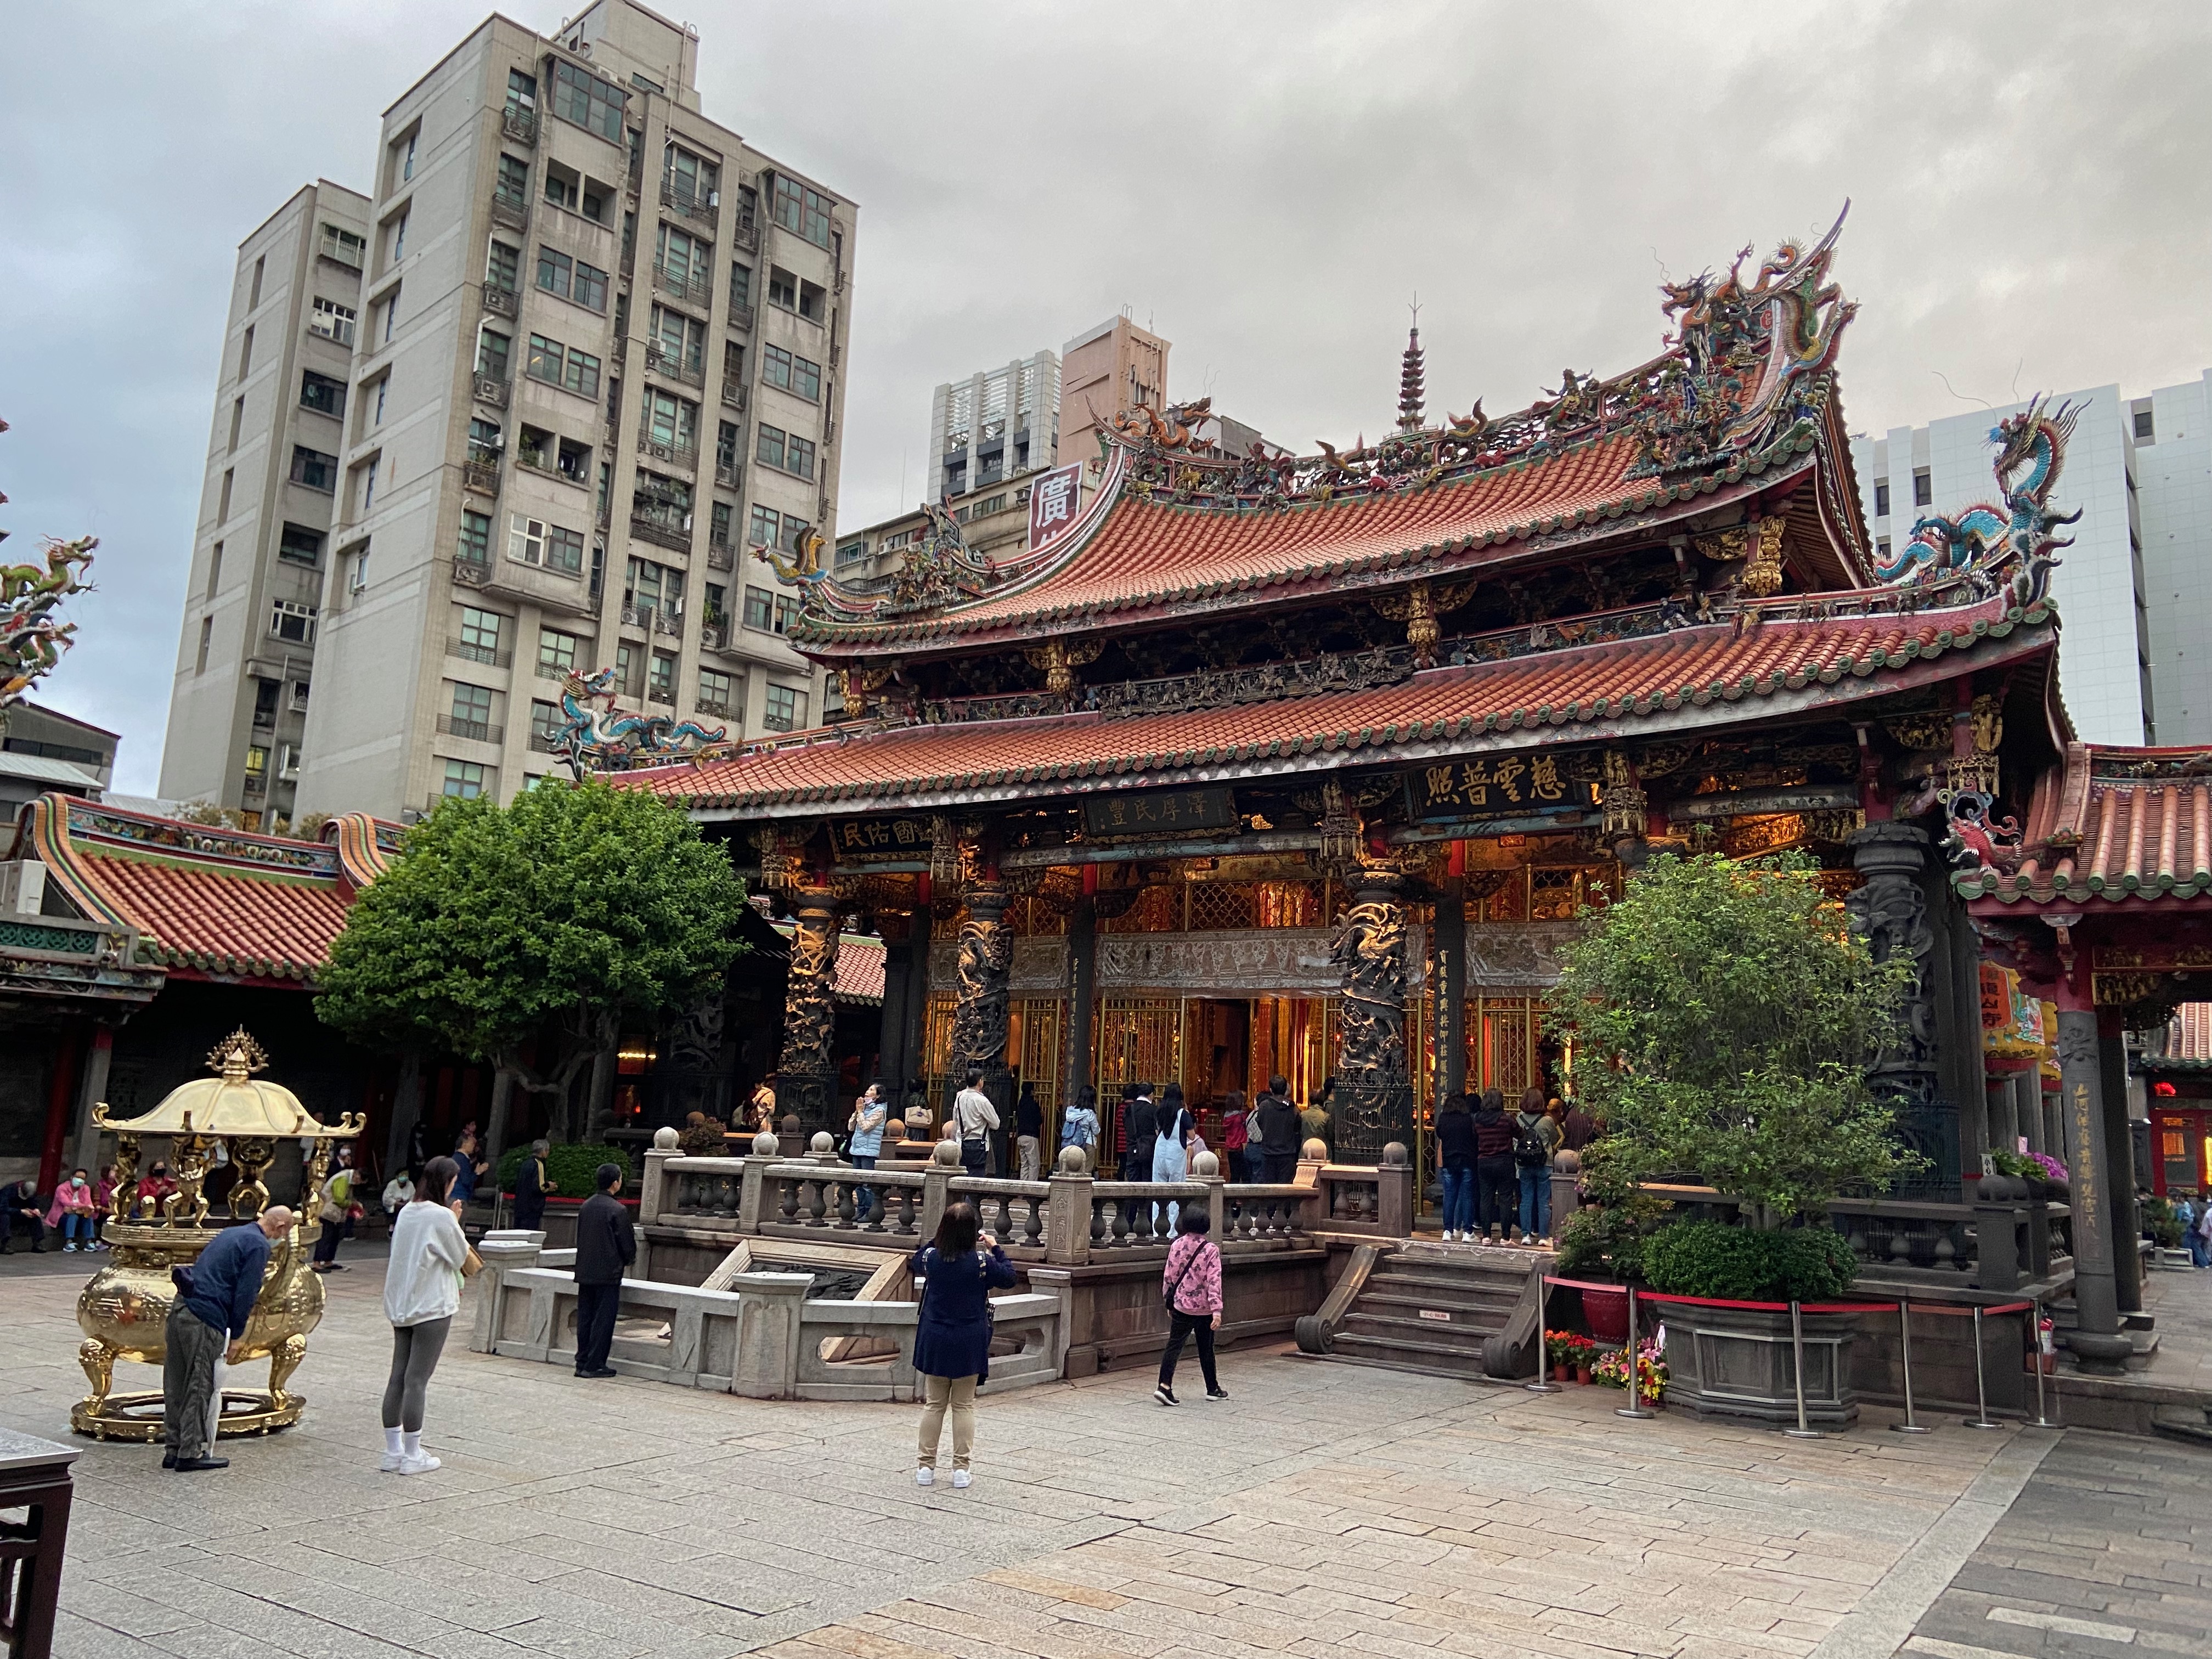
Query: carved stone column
column 982, row 979
column 1891, row 910
column 1374, row 1101
column 806, row 1075
column 1452, row 1009
column 2097, row 1342
column 1082, row 993
column 2120, row 1159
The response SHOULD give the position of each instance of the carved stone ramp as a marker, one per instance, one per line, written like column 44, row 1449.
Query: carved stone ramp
column 1466, row 1310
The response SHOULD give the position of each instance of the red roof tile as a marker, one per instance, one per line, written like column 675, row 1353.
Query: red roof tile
column 264, row 927
column 1623, row 678
column 2110, row 825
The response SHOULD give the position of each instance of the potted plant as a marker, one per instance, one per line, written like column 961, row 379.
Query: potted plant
column 1604, row 1238
column 1613, row 1370
column 1570, row 1351
column 1725, row 1015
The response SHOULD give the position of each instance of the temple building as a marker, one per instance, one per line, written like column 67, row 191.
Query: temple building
column 1271, row 764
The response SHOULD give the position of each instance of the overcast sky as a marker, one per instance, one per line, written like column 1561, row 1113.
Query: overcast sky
column 1266, row 185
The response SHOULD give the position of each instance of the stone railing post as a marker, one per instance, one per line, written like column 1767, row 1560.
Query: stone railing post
column 656, row 1189
column 752, row 1182
column 1067, row 1211
column 1059, row 1284
column 1394, row 1191
column 937, row 1187
column 1996, row 1239
column 502, row 1253
column 768, row 1333
column 1313, row 1157
column 1206, row 1167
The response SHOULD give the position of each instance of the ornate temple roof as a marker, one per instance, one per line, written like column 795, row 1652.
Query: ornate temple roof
column 1586, row 681
column 1740, row 406
column 208, row 901
column 2105, row 826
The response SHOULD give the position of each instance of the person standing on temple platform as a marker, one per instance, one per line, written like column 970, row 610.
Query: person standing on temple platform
column 216, row 1297
column 1079, row 1126
column 606, row 1242
column 469, row 1165
column 1535, row 1137
column 1029, row 1132
column 533, row 1185
column 974, row 1117
column 760, row 1110
column 1577, row 1127
column 1313, row 1122
column 1496, row 1183
column 1235, row 1137
column 1141, row 1129
column 952, row 1340
column 1171, row 1146
column 1279, row 1126
column 331, row 1200
column 1455, row 1160
column 870, row 1112
column 430, row 1256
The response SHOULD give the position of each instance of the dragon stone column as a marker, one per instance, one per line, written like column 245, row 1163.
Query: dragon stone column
column 1374, row 1101
column 806, row 1076
column 1890, row 910
column 983, row 980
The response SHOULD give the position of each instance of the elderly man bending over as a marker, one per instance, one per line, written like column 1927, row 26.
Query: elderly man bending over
column 216, row 1297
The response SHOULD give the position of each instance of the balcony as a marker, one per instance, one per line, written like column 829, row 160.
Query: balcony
column 730, row 476
column 690, row 207
column 257, row 783
column 513, row 211
column 472, row 573
column 519, row 125
column 660, row 527
column 468, row 651
column 546, row 743
column 476, row 731
column 346, row 252
column 720, row 557
column 654, row 619
column 554, row 671
column 689, row 370
column 675, row 451
column 502, row 302
column 481, row 476
column 714, row 633
column 741, row 317
column 714, row 706
column 746, row 235
column 681, row 285
column 488, row 389
column 733, row 392
column 546, row 466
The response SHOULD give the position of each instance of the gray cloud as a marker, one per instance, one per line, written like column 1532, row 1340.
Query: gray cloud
column 1266, row 184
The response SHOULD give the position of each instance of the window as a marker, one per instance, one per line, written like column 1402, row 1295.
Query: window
column 551, row 546
column 557, row 650
column 852, row 552
column 253, row 297
column 405, row 149
column 813, row 301
column 660, row 679
column 476, row 538
column 502, row 267
column 230, row 476
column 299, row 696
column 391, row 312
column 238, row 416
column 760, row 608
column 782, row 288
column 713, row 692
column 357, row 578
column 289, row 619
column 786, row 612
column 493, row 352
column 726, row 436
column 580, row 97
column 399, row 237
column 2146, row 427
column 331, row 320
column 718, row 599
column 803, row 210
column 521, row 91
column 215, row 568
column 765, row 525
column 470, row 714
column 545, row 724
column 733, row 367
column 779, row 449
column 768, row 446
column 794, row 531
column 558, row 365
column 1882, row 547
column 314, row 469
column 649, row 587
column 680, row 338
column 572, row 279
column 480, row 632
column 484, row 441
column 1882, row 498
column 265, row 693
column 245, row 353
column 795, row 373
column 683, row 256
column 670, row 420
column 342, row 245
column 257, row 761
column 741, row 285
column 564, row 186
column 300, row 545
column 690, row 178
column 1923, row 488
column 719, row 530
column 626, row 666
column 207, row 638
column 798, row 457
column 786, row 708
column 465, row 780
column 365, row 483
column 383, row 386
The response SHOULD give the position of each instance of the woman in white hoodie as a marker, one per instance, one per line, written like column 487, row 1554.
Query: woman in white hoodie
column 422, row 1294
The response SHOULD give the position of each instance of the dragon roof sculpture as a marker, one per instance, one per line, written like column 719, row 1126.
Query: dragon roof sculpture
column 595, row 736
column 2016, row 540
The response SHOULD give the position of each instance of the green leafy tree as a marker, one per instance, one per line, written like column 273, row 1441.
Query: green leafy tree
column 561, row 914
column 1724, row 1015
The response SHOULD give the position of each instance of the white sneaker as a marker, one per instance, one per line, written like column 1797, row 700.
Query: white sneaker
column 960, row 1479
column 421, row 1463
column 925, row 1477
column 389, row 1462
column 1449, row 1235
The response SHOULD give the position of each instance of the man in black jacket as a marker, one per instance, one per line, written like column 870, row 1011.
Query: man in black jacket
column 1278, row 1127
column 606, row 1244
column 532, row 1186
column 1140, row 1133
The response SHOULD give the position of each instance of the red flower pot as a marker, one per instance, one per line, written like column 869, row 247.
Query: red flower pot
column 1607, row 1314
column 1583, row 1375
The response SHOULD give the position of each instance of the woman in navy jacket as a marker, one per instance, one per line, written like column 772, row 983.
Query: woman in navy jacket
column 953, row 1347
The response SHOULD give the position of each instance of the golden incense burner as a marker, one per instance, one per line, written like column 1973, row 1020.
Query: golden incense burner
column 123, row 1309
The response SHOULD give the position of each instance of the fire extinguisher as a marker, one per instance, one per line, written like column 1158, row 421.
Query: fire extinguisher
column 2046, row 1345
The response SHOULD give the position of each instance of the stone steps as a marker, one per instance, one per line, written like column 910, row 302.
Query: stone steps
column 1432, row 1309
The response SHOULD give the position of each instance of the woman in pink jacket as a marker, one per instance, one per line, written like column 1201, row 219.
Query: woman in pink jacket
column 1192, row 1280
column 72, row 1212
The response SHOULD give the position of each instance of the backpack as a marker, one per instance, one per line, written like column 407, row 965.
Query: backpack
column 1529, row 1152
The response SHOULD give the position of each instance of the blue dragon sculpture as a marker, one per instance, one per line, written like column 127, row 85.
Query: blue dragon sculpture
column 595, row 737
column 2016, row 537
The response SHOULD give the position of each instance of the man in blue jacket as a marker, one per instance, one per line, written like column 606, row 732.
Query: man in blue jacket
column 217, row 1295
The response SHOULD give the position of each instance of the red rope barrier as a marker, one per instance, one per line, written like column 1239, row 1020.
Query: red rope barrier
column 1784, row 1307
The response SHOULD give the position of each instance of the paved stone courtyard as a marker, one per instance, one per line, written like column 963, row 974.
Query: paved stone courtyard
column 1330, row 1509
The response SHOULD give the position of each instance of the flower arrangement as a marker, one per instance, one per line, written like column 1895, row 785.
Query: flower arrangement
column 1612, row 1371
column 1570, row 1351
column 2052, row 1168
column 2041, row 1165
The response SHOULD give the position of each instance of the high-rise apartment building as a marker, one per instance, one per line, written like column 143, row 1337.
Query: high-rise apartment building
column 239, row 707
column 994, row 425
column 598, row 359
column 1104, row 371
column 2134, row 590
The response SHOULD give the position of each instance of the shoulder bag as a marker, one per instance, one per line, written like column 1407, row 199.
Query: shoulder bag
column 1176, row 1284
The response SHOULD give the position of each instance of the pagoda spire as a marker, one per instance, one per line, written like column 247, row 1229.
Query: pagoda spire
column 1410, row 378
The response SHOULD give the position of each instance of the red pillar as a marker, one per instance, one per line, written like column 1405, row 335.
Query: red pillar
column 61, row 1093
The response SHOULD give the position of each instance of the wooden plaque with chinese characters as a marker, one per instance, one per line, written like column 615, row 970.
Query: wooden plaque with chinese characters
column 852, row 839
column 1160, row 812
column 1509, row 786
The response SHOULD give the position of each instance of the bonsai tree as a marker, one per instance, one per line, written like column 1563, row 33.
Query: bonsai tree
column 1724, row 1015
column 530, row 930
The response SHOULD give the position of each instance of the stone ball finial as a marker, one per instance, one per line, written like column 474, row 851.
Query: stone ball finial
column 1316, row 1151
column 1396, row 1155
column 894, row 1132
column 947, row 1153
column 664, row 1139
column 1206, row 1166
column 823, row 1141
column 1568, row 1162
column 764, row 1144
column 1071, row 1161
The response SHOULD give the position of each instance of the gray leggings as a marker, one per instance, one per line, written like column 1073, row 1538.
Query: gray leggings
column 415, row 1350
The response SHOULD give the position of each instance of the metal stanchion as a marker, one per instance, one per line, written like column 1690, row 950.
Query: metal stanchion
column 1905, row 1332
column 1803, row 1432
column 1981, row 1418
column 1635, row 1407
column 1542, row 1384
column 2035, row 1348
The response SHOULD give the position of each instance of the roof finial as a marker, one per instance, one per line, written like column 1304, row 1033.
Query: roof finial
column 1410, row 389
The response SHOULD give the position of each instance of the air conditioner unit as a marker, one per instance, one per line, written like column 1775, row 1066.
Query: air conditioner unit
column 686, row 523
column 23, row 887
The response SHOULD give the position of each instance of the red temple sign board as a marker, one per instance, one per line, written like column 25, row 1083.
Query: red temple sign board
column 1052, row 504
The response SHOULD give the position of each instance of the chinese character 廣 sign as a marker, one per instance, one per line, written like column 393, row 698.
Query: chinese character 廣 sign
column 852, row 840
column 1052, row 504
column 1508, row 786
column 1160, row 812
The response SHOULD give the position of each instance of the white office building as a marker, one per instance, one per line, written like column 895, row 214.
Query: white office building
column 996, row 423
